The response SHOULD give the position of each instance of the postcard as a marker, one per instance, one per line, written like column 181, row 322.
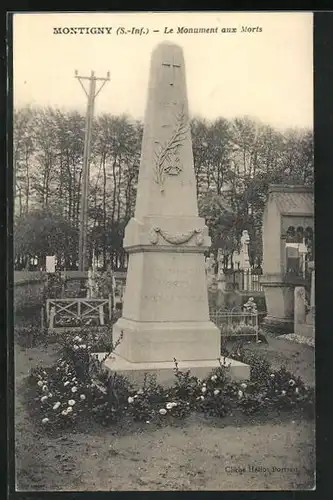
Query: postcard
column 163, row 250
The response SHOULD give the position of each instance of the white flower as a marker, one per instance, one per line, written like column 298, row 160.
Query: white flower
column 64, row 412
column 73, row 379
column 69, row 409
column 44, row 388
column 74, row 389
column 45, row 420
column 243, row 386
column 169, row 406
column 71, row 402
column 89, row 347
column 213, row 378
column 240, row 394
column 147, row 421
column 66, row 383
column 130, row 400
column 56, row 406
column 75, row 347
column 204, row 384
column 297, row 390
column 283, row 393
column 140, row 391
column 272, row 375
column 292, row 382
column 40, row 383
column 44, row 398
column 50, row 394
column 83, row 346
column 58, row 368
column 204, row 389
column 202, row 398
column 216, row 392
column 163, row 411
column 82, row 396
column 135, row 396
column 77, row 338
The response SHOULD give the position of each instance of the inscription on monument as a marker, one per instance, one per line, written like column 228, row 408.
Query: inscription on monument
column 174, row 291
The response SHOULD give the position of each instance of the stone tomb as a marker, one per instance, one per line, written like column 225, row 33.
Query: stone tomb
column 287, row 207
column 165, row 310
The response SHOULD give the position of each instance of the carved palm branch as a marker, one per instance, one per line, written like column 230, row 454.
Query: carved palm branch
column 170, row 147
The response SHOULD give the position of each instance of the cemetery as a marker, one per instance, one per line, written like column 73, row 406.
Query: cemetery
column 198, row 349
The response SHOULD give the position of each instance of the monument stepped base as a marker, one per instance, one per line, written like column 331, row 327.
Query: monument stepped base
column 164, row 371
column 158, row 341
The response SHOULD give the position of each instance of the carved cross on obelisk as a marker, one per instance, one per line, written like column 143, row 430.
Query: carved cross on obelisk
column 172, row 79
column 173, row 66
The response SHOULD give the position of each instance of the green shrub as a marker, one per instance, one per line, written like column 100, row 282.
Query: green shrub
column 29, row 335
column 260, row 368
column 97, row 339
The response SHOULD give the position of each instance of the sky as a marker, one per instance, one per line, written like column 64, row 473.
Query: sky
column 265, row 74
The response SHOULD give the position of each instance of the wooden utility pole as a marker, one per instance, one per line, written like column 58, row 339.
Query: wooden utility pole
column 91, row 94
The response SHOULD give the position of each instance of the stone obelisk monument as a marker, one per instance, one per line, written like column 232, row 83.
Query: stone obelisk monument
column 165, row 309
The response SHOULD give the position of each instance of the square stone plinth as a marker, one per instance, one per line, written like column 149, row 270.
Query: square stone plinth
column 164, row 371
column 151, row 341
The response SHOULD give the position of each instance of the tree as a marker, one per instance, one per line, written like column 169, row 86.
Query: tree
column 234, row 163
column 23, row 150
column 44, row 232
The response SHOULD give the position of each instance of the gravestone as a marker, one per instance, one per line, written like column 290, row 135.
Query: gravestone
column 299, row 307
column 165, row 310
column 210, row 264
column 313, row 289
column 92, row 287
column 244, row 252
column 303, row 321
column 50, row 263
column 310, row 317
column 221, row 279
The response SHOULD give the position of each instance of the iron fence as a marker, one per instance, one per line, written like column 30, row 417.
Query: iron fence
column 243, row 280
column 235, row 323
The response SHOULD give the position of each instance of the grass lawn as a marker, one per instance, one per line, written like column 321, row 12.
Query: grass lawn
column 298, row 358
column 198, row 454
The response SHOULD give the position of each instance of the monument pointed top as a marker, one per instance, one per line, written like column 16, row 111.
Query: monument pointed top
column 165, row 49
column 168, row 43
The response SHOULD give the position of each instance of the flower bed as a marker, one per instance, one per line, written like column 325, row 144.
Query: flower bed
column 77, row 389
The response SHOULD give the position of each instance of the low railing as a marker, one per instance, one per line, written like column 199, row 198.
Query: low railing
column 77, row 312
column 235, row 323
